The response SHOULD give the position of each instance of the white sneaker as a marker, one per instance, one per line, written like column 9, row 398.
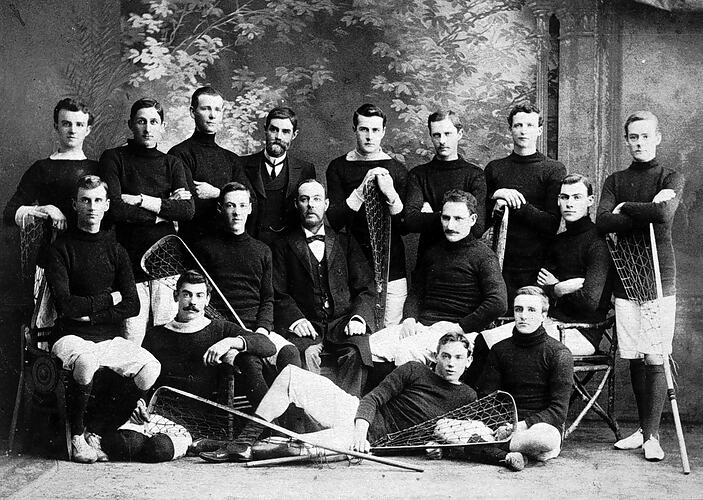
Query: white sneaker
column 631, row 442
column 94, row 441
column 653, row 450
column 81, row 451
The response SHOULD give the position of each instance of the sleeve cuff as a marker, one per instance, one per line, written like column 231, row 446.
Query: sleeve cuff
column 354, row 201
column 245, row 348
column 151, row 203
column 396, row 207
column 358, row 318
column 296, row 323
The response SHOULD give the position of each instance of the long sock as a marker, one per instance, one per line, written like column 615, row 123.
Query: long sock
column 487, row 454
column 639, row 388
column 79, row 397
column 656, row 395
column 250, row 433
column 288, row 355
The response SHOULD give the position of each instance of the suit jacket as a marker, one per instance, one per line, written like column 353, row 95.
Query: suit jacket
column 297, row 171
column 350, row 283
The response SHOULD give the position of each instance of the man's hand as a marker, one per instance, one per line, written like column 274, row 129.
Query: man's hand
column 361, row 430
column 180, row 194
column 140, row 415
column 408, row 328
column 305, row 329
column 205, row 191
column 617, row 209
column 385, row 184
column 132, row 199
column 58, row 219
column 545, row 278
column 568, row 286
column 503, row 432
column 426, row 208
column 664, row 195
column 213, row 356
column 447, row 327
column 116, row 297
column 354, row 327
column 512, row 197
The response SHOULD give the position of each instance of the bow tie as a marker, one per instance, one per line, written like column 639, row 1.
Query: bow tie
column 315, row 237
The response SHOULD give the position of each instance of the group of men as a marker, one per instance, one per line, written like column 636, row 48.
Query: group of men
column 293, row 261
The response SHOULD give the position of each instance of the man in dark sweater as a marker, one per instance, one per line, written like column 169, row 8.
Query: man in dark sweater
column 346, row 178
column 93, row 288
column 242, row 269
column 427, row 183
column 461, row 288
column 208, row 165
column 148, row 191
column 410, row 395
column 644, row 193
column 527, row 182
column 274, row 176
column 538, row 372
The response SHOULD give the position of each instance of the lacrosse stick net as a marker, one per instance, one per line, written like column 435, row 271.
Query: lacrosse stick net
column 35, row 234
column 635, row 257
column 472, row 424
column 378, row 218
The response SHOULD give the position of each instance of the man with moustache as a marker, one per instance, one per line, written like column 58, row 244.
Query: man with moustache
column 448, row 170
column 208, row 165
column 273, row 175
column 148, row 192
column 346, row 178
column 242, row 269
column 460, row 288
column 324, row 291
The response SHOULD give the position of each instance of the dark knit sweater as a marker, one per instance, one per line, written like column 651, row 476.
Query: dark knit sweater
column 637, row 186
column 82, row 270
column 205, row 161
column 50, row 182
column 342, row 178
column 242, row 268
column 461, row 282
column 409, row 395
column 580, row 252
column 181, row 354
column 537, row 371
column 532, row 227
column 133, row 169
column 428, row 183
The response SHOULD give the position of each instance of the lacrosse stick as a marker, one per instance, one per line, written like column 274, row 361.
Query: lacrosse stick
column 213, row 408
column 495, row 236
column 169, row 257
column 637, row 263
column 378, row 218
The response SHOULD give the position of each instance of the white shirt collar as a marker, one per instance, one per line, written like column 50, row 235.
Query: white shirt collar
column 68, row 155
column 275, row 161
column 309, row 233
column 354, row 155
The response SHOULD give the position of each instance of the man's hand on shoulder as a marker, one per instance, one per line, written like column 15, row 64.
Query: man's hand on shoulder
column 360, row 442
column 512, row 197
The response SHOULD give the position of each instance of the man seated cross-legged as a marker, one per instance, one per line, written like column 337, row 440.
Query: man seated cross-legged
column 538, row 372
column 411, row 394
column 461, row 289
column 91, row 280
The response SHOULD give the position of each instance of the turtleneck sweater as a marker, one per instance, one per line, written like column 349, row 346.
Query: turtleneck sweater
column 428, row 183
column 461, row 282
column 580, row 252
column 82, row 271
column 532, row 227
column 344, row 176
column 636, row 187
column 537, row 371
column 206, row 161
column 134, row 169
column 241, row 266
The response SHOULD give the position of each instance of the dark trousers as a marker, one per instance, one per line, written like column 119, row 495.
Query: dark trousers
column 342, row 364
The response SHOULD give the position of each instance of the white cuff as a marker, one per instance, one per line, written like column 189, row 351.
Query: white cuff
column 359, row 319
column 396, row 207
column 354, row 201
column 151, row 203
column 296, row 323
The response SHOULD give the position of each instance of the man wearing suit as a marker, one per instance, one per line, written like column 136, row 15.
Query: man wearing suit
column 274, row 175
column 324, row 290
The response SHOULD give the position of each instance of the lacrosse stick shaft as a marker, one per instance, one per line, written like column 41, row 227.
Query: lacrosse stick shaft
column 667, row 365
column 287, row 460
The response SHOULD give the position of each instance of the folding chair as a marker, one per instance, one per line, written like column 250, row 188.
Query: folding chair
column 587, row 368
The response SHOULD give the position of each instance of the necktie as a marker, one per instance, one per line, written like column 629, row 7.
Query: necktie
column 315, row 237
column 273, row 169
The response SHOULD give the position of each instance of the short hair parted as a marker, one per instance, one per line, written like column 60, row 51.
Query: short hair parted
column 192, row 277
column 90, row 182
column 441, row 114
column 230, row 187
column 639, row 116
column 145, row 102
column 459, row 196
column 72, row 105
column 282, row 113
column 203, row 91
column 368, row 110
column 576, row 178
column 450, row 337
column 526, row 107
column 308, row 181
column 537, row 292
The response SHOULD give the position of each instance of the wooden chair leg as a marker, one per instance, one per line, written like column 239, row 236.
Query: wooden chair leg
column 62, row 410
column 16, row 412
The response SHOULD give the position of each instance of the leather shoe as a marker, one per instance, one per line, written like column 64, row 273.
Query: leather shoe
column 233, row 452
